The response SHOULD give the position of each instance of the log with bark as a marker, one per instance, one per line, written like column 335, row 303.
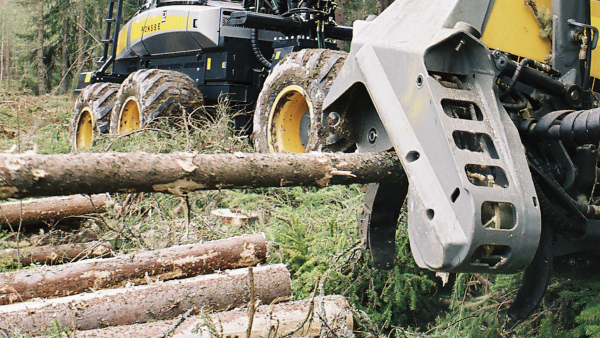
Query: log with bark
column 14, row 215
column 140, row 304
column 165, row 264
column 27, row 175
column 53, row 254
column 330, row 314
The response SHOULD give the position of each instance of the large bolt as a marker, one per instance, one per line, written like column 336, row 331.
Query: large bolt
column 372, row 135
column 575, row 95
column 333, row 119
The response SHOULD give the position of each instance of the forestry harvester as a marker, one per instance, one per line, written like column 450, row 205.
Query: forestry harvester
column 489, row 104
column 176, row 54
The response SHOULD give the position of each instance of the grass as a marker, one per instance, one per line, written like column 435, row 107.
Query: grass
column 313, row 231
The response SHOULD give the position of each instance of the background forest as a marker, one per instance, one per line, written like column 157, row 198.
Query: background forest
column 46, row 43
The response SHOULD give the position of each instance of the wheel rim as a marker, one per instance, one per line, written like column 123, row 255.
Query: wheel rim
column 129, row 118
column 289, row 121
column 84, row 134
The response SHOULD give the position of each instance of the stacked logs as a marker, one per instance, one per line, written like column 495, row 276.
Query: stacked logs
column 168, row 291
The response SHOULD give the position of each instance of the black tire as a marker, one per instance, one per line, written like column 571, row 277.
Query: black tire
column 288, row 112
column 149, row 93
column 91, row 114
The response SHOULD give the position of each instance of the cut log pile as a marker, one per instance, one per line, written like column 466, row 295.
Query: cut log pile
column 165, row 292
column 155, row 287
column 139, row 304
column 165, row 264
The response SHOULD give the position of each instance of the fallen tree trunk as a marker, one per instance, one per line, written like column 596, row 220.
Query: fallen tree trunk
column 330, row 314
column 26, row 175
column 139, row 304
column 53, row 254
column 165, row 264
column 46, row 210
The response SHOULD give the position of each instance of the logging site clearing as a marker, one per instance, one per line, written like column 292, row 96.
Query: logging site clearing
column 258, row 262
column 264, row 262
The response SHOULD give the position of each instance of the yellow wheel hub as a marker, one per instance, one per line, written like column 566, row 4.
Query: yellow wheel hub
column 84, row 134
column 289, row 121
column 129, row 118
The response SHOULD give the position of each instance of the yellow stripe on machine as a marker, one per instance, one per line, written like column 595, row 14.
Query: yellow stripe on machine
column 512, row 27
column 136, row 29
column 122, row 40
column 88, row 77
column 208, row 60
column 595, row 9
column 155, row 24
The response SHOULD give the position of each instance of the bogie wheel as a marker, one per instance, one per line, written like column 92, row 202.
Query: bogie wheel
column 288, row 112
column 149, row 93
column 91, row 114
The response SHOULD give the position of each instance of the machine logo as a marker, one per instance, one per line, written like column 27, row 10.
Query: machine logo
column 164, row 16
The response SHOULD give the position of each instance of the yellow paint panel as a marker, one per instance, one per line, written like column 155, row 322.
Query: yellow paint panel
column 512, row 27
column 277, row 55
column 595, row 7
column 122, row 40
column 208, row 60
column 136, row 29
column 88, row 78
column 154, row 24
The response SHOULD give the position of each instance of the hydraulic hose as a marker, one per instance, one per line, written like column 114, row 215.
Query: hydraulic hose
column 256, row 49
column 581, row 210
column 520, row 103
column 516, row 75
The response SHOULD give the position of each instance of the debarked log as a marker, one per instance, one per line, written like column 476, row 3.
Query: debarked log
column 328, row 316
column 53, row 254
column 139, row 304
column 165, row 264
column 14, row 215
column 27, row 175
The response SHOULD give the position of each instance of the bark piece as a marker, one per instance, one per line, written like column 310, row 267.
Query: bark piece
column 51, row 209
column 165, row 264
column 235, row 217
column 53, row 254
column 125, row 306
column 331, row 313
column 28, row 175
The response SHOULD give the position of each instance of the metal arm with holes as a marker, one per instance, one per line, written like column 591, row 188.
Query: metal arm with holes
column 499, row 145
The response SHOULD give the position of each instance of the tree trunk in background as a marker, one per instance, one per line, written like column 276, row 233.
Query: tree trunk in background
column 340, row 18
column 382, row 5
column 64, row 84
column 80, row 35
column 26, row 175
column 6, row 60
column 139, row 304
column 2, row 53
column 40, row 52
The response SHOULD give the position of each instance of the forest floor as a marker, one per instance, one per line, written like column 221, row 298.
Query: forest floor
column 313, row 231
